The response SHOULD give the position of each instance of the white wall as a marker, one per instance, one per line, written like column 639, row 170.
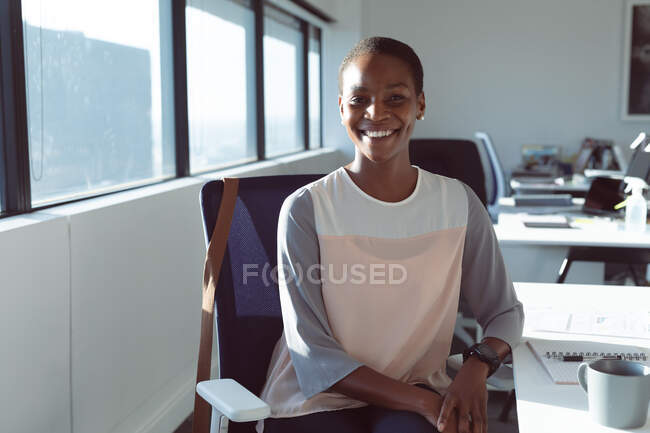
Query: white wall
column 34, row 325
column 527, row 72
column 100, row 305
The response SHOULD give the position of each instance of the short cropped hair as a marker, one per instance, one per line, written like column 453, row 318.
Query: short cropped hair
column 390, row 47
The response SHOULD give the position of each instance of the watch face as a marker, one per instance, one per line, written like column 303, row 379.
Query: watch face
column 486, row 350
column 486, row 354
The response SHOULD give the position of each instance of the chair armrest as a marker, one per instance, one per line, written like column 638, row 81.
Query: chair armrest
column 501, row 380
column 232, row 400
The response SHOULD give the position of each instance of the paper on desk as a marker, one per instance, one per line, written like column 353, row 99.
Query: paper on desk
column 565, row 373
column 619, row 324
column 595, row 223
column 614, row 324
column 534, row 218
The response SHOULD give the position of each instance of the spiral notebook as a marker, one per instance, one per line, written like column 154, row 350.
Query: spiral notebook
column 549, row 353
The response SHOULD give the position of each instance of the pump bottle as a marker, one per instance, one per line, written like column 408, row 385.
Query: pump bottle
column 636, row 209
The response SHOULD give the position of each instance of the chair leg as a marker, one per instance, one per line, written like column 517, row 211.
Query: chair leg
column 507, row 406
column 564, row 270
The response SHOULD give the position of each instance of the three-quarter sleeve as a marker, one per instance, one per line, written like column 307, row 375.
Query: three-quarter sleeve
column 485, row 284
column 317, row 357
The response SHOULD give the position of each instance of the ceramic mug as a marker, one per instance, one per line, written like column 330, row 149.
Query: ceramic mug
column 618, row 392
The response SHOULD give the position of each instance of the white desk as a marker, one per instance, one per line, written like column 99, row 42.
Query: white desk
column 575, row 189
column 536, row 254
column 543, row 406
column 511, row 231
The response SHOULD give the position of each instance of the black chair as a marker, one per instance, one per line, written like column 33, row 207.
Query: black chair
column 248, row 316
column 459, row 159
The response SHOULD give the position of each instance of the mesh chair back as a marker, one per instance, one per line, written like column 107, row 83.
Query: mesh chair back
column 452, row 158
column 248, row 316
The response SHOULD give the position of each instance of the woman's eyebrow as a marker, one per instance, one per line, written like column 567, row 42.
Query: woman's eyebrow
column 358, row 89
column 389, row 86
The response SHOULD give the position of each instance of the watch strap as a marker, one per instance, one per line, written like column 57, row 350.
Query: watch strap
column 484, row 353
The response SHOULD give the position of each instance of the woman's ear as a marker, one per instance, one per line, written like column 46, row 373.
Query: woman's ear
column 422, row 105
column 341, row 109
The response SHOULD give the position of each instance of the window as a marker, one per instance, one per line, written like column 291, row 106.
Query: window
column 99, row 95
column 220, row 83
column 283, row 83
column 104, row 96
column 314, row 75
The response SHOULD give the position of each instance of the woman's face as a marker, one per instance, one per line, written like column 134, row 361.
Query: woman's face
column 379, row 105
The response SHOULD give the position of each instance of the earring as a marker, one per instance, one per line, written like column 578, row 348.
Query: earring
column 420, row 117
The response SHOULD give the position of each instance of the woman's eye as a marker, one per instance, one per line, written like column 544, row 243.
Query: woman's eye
column 396, row 98
column 356, row 100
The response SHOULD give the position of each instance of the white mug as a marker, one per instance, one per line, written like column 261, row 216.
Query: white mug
column 618, row 392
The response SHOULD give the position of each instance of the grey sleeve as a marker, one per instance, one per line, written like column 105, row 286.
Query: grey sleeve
column 318, row 359
column 485, row 284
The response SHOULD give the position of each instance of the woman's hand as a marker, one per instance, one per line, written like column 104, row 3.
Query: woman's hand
column 431, row 409
column 431, row 412
column 466, row 398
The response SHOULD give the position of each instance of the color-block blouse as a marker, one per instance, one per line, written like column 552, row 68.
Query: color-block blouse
column 368, row 282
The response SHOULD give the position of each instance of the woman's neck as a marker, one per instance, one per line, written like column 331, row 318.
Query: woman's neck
column 390, row 181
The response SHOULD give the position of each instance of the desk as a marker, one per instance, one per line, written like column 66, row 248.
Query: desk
column 536, row 254
column 575, row 189
column 543, row 406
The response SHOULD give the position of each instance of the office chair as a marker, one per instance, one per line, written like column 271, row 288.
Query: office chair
column 248, row 314
column 499, row 183
column 454, row 158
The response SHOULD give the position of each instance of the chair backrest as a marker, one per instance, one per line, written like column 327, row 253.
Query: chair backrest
column 452, row 158
column 248, row 315
column 499, row 184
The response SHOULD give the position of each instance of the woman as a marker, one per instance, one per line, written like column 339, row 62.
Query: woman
column 373, row 259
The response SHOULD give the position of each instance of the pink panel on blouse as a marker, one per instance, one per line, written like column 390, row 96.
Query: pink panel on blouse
column 401, row 327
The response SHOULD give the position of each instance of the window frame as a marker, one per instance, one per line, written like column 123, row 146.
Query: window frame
column 317, row 31
column 15, row 187
column 283, row 18
column 14, row 155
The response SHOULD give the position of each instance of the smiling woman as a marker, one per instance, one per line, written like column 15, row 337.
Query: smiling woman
column 369, row 354
column 379, row 110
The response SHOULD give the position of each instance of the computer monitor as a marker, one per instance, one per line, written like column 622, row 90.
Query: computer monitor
column 603, row 195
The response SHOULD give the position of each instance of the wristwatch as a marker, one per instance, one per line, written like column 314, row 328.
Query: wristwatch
column 485, row 354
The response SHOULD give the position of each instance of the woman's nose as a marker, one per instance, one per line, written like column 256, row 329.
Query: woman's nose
column 376, row 111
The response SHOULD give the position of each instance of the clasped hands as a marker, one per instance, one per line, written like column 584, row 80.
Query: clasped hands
column 463, row 408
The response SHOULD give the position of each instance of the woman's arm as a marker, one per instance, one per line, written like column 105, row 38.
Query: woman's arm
column 485, row 284
column 488, row 290
column 372, row 387
column 317, row 357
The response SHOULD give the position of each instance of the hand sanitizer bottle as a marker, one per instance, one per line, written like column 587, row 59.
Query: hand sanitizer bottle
column 636, row 209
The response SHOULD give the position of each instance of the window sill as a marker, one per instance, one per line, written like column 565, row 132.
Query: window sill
column 269, row 167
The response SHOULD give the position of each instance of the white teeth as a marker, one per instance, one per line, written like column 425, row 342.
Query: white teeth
column 377, row 134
